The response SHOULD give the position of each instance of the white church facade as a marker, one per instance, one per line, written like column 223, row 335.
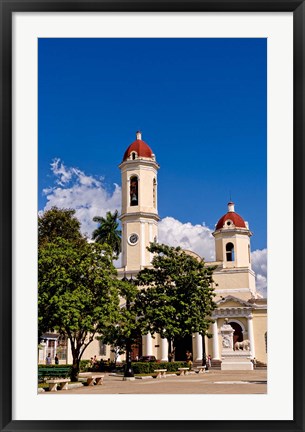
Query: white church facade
column 238, row 301
column 234, row 279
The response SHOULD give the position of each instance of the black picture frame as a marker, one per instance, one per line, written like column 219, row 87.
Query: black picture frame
column 7, row 9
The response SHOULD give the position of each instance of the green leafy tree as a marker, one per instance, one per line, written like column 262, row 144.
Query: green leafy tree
column 108, row 232
column 77, row 292
column 127, row 331
column 176, row 298
column 56, row 223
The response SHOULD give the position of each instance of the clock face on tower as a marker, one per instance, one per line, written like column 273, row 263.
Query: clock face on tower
column 133, row 239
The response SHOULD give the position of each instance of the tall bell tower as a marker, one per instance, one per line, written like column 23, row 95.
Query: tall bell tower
column 139, row 214
column 232, row 240
column 232, row 245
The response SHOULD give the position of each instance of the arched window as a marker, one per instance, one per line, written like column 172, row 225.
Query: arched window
column 154, row 192
column 266, row 341
column 230, row 251
column 134, row 191
column 133, row 155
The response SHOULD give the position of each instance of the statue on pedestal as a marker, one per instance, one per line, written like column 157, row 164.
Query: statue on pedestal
column 233, row 359
column 227, row 336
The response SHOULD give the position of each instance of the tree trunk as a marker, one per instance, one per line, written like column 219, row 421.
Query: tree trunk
column 75, row 368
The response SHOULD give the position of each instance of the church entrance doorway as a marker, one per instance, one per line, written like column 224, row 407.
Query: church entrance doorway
column 136, row 350
column 182, row 345
column 238, row 332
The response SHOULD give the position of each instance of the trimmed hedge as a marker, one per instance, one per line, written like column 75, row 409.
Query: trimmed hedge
column 43, row 366
column 83, row 366
column 150, row 367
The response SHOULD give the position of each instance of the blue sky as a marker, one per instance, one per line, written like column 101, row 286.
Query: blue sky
column 200, row 104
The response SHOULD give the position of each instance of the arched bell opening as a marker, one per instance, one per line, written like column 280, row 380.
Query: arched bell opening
column 134, row 191
column 230, row 252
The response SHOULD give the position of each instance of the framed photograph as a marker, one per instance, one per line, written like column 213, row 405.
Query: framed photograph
column 217, row 89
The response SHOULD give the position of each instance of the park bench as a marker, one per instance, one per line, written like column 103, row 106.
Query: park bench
column 91, row 377
column 53, row 372
column 201, row 369
column 182, row 371
column 63, row 383
column 161, row 373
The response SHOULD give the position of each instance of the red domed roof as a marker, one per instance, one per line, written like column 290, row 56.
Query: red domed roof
column 140, row 147
column 232, row 216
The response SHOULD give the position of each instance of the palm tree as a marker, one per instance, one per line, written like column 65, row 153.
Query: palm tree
column 108, row 232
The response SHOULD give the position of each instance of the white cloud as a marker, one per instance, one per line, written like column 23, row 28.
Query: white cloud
column 89, row 196
column 63, row 175
column 118, row 263
column 86, row 194
column 197, row 238
column 259, row 266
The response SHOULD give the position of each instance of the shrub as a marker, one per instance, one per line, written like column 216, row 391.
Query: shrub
column 84, row 365
column 142, row 367
column 149, row 367
column 174, row 366
column 42, row 366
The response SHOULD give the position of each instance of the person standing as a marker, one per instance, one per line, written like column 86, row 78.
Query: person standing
column 189, row 358
column 48, row 359
column 56, row 359
column 95, row 363
column 171, row 356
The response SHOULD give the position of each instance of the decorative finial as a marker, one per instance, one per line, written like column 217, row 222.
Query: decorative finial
column 139, row 135
column 231, row 206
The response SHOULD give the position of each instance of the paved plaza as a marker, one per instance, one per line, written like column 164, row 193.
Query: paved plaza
column 212, row 382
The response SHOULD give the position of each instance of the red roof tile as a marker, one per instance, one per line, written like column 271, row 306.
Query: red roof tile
column 140, row 147
column 234, row 217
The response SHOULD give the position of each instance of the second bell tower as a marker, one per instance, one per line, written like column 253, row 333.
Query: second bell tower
column 139, row 215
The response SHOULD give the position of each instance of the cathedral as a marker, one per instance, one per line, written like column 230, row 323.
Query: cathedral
column 235, row 288
column 238, row 302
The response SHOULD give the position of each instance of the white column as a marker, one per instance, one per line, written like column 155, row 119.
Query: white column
column 123, row 245
column 164, row 349
column 69, row 353
column 147, row 344
column 198, row 347
column 215, row 341
column 251, row 335
column 143, row 245
column 150, row 240
column 42, row 353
